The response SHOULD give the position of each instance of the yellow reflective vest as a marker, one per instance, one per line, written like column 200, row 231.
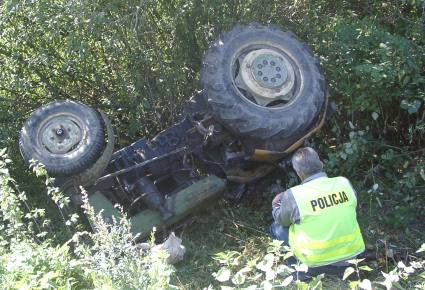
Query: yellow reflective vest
column 328, row 231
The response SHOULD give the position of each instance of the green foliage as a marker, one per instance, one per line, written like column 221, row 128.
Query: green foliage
column 110, row 55
column 358, row 283
column 139, row 61
column 405, row 277
column 12, row 215
column 108, row 258
column 378, row 67
column 374, row 70
column 113, row 258
column 388, row 177
column 30, row 265
column 272, row 271
column 268, row 272
column 349, row 155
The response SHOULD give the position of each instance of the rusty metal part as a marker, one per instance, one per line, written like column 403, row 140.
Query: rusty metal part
column 272, row 156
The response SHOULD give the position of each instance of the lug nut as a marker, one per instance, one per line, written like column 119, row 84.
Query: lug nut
column 265, row 79
column 260, row 73
column 273, row 80
column 277, row 68
column 265, row 62
column 260, row 66
column 272, row 63
column 278, row 76
column 59, row 132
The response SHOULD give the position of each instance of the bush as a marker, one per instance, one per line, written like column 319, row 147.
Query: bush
column 30, row 265
column 108, row 258
column 112, row 257
column 377, row 77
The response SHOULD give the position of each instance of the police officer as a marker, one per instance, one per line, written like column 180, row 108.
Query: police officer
column 317, row 218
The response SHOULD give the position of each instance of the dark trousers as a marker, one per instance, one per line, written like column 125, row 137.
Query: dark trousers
column 279, row 233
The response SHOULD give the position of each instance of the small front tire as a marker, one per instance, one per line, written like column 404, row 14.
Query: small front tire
column 67, row 137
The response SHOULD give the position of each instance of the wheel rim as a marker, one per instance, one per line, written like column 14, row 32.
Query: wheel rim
column 265, row 76
column 267, row 69
column 61, row 134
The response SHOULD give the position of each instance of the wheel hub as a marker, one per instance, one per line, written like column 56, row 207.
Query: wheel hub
column 267, row 75
column 269, row 71
column 61, row 135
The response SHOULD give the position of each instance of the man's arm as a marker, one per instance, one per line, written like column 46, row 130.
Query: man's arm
column 286, row 212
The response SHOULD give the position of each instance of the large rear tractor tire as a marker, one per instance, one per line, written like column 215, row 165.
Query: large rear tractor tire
column 263, row 84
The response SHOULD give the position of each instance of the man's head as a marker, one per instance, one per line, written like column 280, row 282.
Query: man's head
column 306, row 162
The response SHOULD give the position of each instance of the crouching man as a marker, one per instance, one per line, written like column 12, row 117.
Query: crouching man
column 317, row 218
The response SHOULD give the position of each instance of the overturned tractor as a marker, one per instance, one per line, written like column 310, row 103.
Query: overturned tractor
column 263, row 95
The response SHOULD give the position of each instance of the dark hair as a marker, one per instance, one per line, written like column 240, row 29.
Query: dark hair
column 306, row 161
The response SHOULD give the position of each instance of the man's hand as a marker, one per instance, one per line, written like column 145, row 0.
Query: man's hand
column 276, row 200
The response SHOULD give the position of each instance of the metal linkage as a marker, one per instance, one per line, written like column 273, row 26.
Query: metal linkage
column 139, row 165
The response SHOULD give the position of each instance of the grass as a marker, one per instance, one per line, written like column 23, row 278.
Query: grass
column 223, row 228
